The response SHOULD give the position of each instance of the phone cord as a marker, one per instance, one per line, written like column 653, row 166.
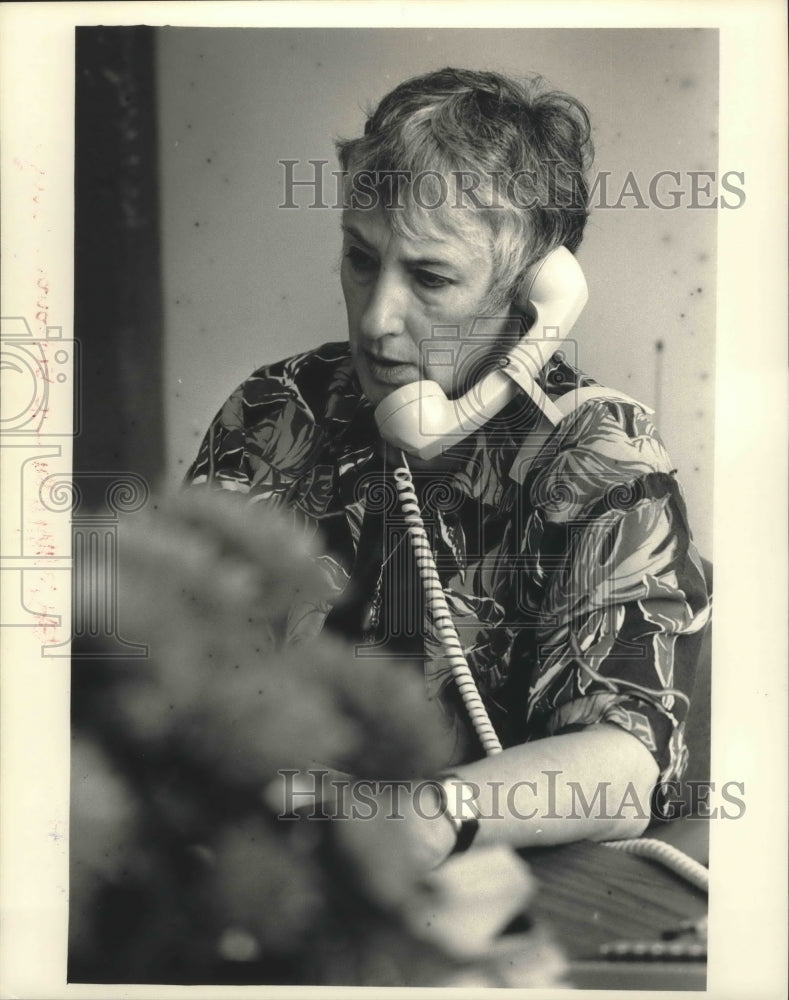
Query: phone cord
column 666, row 854
column 656, row 850
column 439, row 612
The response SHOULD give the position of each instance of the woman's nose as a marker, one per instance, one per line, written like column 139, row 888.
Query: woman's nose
column 384, row 312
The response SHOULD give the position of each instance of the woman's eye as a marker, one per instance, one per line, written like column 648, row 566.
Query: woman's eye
column 359, row 260
column 427, row 279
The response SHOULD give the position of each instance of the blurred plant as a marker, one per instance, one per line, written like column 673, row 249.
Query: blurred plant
column 180, row 871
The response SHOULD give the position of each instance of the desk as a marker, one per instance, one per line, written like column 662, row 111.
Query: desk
column 591, row 895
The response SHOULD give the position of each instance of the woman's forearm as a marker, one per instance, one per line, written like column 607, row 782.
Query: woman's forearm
column 594, row 784
column 591, row 785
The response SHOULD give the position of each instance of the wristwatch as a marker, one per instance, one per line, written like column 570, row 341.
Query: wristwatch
column 458, row 804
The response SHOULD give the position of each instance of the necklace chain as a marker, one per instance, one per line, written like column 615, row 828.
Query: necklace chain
column 372, row 616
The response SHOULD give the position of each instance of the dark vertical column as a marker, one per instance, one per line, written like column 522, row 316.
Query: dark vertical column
column 118, row 303
column 118, row 452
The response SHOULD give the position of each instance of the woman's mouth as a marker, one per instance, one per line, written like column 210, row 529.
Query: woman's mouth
column 389, row 371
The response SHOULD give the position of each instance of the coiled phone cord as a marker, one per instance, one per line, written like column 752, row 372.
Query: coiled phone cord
column 439, row 612
column 674, row 859
column 656, row 850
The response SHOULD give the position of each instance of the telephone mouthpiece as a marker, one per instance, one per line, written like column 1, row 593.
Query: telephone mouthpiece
column 415, row 418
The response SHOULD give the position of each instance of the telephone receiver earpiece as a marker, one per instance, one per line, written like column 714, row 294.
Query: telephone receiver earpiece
column 421, row 420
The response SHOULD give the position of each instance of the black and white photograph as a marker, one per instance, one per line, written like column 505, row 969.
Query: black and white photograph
column 388, row 480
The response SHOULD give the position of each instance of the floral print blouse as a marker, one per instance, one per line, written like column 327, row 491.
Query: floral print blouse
column 564, row 552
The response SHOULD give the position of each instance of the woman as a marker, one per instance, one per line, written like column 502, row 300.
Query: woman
column 564, row 553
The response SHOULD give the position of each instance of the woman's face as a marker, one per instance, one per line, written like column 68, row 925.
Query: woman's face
column 416, row 307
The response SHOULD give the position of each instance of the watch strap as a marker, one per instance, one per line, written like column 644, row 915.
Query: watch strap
column 461, row 812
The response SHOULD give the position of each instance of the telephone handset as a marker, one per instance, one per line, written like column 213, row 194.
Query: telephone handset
column 419, row 419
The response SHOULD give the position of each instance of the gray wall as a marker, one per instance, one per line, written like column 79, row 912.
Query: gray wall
column 246, row 282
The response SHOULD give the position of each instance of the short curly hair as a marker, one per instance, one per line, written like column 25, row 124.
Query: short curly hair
column 525, row 147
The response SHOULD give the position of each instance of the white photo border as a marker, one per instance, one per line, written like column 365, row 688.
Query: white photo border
column 748, row 858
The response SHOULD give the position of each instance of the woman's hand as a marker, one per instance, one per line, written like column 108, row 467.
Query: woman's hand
column 400, row 849
column 394, row 835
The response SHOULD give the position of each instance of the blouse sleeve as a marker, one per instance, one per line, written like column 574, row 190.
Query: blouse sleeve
column 221, row 460
column 262, row 440
column 619, row 596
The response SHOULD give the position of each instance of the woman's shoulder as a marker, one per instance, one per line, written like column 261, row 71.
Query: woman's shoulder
column 317, row 365
column 611, row 429
column 307, row 381
column 601, row 421
column 604, row 443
